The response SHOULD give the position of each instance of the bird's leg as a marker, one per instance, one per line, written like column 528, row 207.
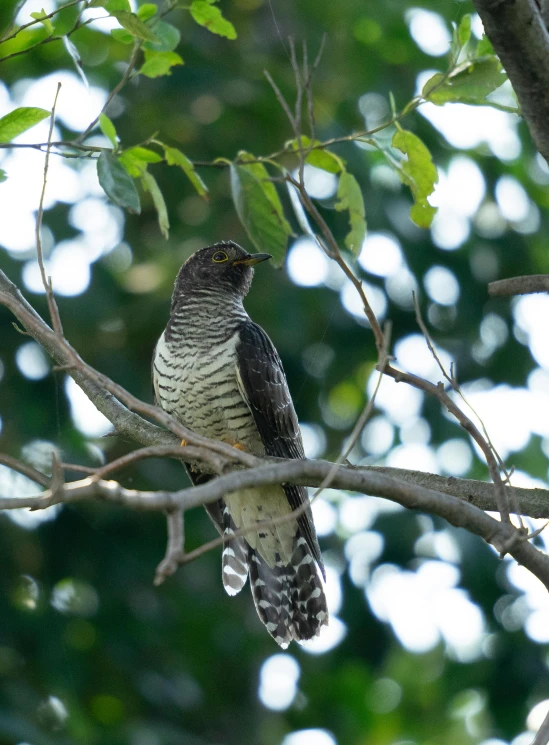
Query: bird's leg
column 184, row 443
column 238, row 446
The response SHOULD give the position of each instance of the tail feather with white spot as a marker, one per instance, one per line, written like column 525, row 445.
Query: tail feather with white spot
column 234, row 560
column 289, row 598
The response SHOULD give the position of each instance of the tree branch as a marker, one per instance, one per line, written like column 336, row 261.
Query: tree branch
column 459, row 512
column 521, row 41
column 519, row 285
column 111, row 399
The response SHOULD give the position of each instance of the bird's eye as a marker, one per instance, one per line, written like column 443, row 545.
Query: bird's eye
column 219, row 256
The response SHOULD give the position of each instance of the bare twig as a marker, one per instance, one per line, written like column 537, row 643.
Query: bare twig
column 542, row 736
column 8, row 35
column 46, row 281
column 123, row 80
column 282, row 101
column 519, row 285
column 451, row 378
column 31, row 473
column 174, row 548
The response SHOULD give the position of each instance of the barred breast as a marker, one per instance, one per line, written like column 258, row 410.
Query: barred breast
column 198, row 385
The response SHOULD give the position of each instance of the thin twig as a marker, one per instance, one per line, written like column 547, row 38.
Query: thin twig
column 175, row 546
column 122, row 82
column 542, row 736
column 46, row 281
column 451, row 378
column 282, row 101
column 36, row 21
column 31, row 473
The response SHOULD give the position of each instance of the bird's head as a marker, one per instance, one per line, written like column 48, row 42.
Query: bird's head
column 224, row 267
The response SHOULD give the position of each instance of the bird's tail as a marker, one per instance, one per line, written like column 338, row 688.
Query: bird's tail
column 289, row 597
column 235, row 558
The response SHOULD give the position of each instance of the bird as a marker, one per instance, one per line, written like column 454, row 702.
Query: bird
column 219, row 374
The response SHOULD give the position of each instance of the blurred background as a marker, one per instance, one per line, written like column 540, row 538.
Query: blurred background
column 433, row 639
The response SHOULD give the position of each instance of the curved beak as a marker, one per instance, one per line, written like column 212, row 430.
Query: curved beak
column 253, row 259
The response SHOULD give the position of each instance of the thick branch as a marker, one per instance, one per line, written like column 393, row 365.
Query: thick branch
column 519, row 285
column 503, row 536
column 106, row 394
column 521, row 41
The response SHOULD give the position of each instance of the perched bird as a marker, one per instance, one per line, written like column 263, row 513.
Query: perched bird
column 218, row 373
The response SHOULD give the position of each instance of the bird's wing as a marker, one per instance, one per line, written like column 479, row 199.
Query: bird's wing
column 263, row 385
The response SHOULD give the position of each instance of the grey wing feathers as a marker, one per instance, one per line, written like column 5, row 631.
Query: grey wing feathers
column 265, row 389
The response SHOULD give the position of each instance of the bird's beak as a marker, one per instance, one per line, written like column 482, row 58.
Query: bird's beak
column 253, row 259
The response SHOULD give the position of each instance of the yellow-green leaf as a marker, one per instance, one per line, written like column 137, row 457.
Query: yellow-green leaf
column 159, row 63
column 143, row 153
column 19, row 120
column 147, row 10
column 484, row 47
column 3, row 175
column 117, row 184
column 175, row 157
column 111, row 6
column 136, row 160
column 120, row 34
column 419, row 173
column 150, row 185
column 42, row 17
column 210, row 17
column 108, row 129
column 469, row 83
column 351, row 199
column 134, row 25
column 259, row 208
column 464, row 30
column 323, row 159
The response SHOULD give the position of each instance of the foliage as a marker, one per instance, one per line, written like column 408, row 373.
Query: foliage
column 81, row 621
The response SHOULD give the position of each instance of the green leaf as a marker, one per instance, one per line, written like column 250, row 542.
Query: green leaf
column 133, row 166
column 150, row 185
column 136, row 159
column 41, row 16
column 419, row 173
column 318, row 158
column 175, row 157
column 117, row 184
column 108, row 129
column 19, row 120
column 168, row 37
column 147, row 10
column 464, row 30
column 351, row 199
column 3, row 175
column 144, row 154
column 259, row 208
column 211, row 18
column 134, row 25
column 159, row 63
column 485, row 48
column 120, row 34
column 111, row 6
column 469, row 83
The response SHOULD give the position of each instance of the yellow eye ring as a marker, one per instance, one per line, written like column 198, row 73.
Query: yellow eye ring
column 219, row 257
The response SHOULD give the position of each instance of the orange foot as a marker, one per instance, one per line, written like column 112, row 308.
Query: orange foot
column 238, row 446
column 184, row 443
